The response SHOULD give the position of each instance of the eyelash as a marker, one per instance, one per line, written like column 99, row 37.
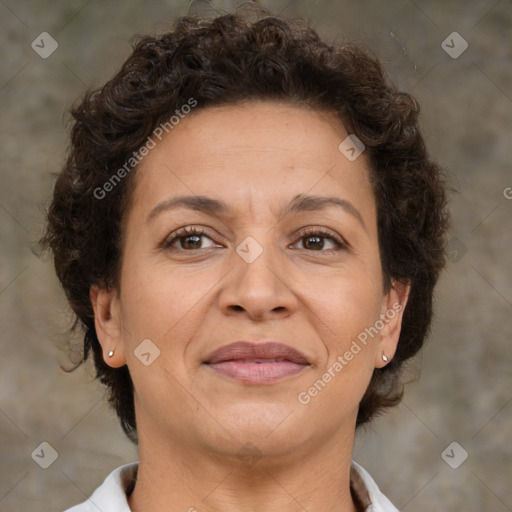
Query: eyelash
column 339, row 243
column 182, row 233
column 303, row 233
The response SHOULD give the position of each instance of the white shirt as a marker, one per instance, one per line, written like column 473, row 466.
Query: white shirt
column 110, row 496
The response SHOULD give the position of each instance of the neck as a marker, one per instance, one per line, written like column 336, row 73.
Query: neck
column 179, row 478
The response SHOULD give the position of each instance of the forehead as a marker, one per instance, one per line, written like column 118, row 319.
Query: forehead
column 252, row 154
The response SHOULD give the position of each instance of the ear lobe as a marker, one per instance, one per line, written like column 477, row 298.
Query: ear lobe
column 107, row 321
column 392, row 314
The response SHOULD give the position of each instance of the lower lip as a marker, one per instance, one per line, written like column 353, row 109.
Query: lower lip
column 258, row 373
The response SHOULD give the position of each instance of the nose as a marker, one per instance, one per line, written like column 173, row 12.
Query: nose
column 258, row 289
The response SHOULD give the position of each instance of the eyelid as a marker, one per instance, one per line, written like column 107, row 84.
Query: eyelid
column 325, row 233
column 185, row 231
column 189, row 230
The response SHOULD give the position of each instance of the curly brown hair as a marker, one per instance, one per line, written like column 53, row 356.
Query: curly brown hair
column 248, row 55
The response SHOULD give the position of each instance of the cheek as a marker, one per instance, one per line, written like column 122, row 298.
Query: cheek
column 349, row 305
column 165, row 307
column 156, row 300
column 342, row 377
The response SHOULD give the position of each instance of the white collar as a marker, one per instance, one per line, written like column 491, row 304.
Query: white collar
column 110, row 496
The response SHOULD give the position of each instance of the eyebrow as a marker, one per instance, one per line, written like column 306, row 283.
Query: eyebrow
column 299, row 203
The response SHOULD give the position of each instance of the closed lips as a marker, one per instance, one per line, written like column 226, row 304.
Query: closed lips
column 268, row 352
column 256, row 363
column 273, row 360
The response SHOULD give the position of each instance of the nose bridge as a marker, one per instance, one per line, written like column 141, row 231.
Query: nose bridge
column 258, row 258
column 257, row 284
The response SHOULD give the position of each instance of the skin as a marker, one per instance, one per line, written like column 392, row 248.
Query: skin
column 199, row 294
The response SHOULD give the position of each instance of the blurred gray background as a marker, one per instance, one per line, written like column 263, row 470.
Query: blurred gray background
column 464, row 392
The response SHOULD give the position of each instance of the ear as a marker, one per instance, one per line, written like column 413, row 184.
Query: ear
column 393, row 306
column 107, row 320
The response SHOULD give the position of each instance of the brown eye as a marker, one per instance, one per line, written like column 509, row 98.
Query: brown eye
column 190, row 241
column 187, row 239
column 313, row 242
column 320, row 241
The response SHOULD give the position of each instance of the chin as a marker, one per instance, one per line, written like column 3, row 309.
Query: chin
column 273, row 428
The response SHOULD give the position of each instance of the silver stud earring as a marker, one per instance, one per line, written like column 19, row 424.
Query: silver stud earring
column 111, row 353
column 385, row 358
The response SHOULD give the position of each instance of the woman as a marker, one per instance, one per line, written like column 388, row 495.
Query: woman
column 249, row 230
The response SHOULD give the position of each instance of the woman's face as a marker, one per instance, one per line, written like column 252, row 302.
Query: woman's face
column 274, row 260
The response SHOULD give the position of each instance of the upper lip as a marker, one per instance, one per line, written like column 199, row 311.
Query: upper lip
column 262, row 350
